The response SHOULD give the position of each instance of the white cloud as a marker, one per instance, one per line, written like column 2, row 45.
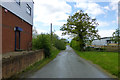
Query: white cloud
column 103, row 23
column 51, row 11
column 81, row 5
column 39, row 31
column 106, row 33
column 106, row 7
column 93, row 9
column 114, row 5
column 59, row 33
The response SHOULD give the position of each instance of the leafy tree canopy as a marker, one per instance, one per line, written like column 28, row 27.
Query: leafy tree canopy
column 82, row 26
column 116, row 36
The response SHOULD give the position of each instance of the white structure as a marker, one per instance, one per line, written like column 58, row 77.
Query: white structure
column 21, row 8
column 102, row 41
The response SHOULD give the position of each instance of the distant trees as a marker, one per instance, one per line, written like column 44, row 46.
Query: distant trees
column 116, row 36
column 82, row 26
column 43, row 41
column 58, row 43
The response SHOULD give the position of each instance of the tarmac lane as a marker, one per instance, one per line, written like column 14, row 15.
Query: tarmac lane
column 69, row 65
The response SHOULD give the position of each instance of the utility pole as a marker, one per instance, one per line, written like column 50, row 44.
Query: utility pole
column 51, row 31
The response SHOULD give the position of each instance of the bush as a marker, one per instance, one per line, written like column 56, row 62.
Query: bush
column 75, row 45
column 99, row 49
column 59, row 44
column 42, row 42
column 89, row 48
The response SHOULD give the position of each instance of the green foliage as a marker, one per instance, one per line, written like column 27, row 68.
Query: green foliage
column 42, row 42
column 116, row 36
column 38, row 65
column 94, row 49
column 59, row 43
column 82, row 26
column 106, row 60
column 89, row 48
column 75, row 44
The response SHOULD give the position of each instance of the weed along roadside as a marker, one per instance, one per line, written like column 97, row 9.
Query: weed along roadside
column 38, row 65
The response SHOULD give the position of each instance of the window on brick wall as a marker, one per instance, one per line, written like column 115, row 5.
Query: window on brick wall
column 18, row 2
column 28, row 9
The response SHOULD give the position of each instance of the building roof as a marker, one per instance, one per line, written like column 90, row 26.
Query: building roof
column 19, row 10
column 103, row 38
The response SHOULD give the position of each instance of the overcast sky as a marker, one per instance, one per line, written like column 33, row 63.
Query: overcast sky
column 57, row 12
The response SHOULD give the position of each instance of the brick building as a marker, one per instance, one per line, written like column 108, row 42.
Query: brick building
column 17, row 22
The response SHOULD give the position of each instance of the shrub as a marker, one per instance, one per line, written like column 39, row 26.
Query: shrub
column 60, row 44
column 89, row 48
column 99, row 49
column 42, row 42
column 75, row 45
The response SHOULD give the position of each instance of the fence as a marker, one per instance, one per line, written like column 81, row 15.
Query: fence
column 108, row 47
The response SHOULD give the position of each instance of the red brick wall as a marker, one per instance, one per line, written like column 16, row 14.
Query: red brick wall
column 9, row 21
column 0, row 30
column 15, row 64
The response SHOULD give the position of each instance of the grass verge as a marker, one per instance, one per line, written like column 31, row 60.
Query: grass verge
column 107, row 60
column 37, row 65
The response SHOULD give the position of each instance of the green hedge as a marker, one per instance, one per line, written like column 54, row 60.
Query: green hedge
column 61, row 45
column 75, row 44
column 43, row 41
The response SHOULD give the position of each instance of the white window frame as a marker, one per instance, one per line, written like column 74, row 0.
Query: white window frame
column 28, row 9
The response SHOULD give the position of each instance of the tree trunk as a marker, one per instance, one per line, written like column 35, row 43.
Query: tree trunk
column 82, row 45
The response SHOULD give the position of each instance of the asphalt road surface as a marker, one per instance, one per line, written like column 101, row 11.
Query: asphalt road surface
column 68, row 65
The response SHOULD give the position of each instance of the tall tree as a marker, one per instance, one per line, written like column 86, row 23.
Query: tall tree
column 82, row 26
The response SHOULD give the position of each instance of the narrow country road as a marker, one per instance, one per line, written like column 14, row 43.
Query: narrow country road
column 68, row 65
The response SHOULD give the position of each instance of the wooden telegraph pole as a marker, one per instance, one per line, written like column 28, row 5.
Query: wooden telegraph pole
column 51, row 31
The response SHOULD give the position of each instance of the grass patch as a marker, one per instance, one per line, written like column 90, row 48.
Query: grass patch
column 68, row 43
column 37, row 65
column 106, row 60
column 43, row 62
column 40, row 64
